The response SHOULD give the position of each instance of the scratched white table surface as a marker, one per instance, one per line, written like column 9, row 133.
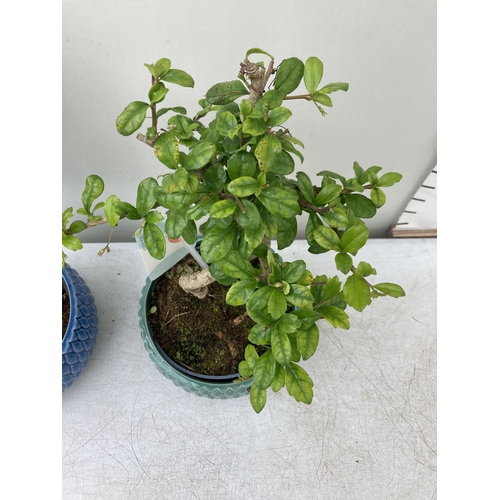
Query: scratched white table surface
column 370, row 432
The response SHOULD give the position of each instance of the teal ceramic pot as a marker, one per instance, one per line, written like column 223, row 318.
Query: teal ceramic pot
column 223, row 387
column 79, row 340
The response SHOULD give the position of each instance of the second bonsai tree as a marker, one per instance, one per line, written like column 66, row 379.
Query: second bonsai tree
column 231, row 181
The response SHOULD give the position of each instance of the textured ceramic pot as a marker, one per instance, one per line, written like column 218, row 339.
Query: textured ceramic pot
column 80, row 337
column 223, row 387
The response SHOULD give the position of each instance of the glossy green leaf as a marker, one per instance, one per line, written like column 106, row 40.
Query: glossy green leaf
column 389, row 179
column 298, row 383
column 305, row 186
column 175, row 109
column 240, row 292
column 258, row 398
column 300, row 296
column 361, row 205
column 283, row 164
column 132, row 117
column 217, row 242
column 241, row 164
column 293, row 271
column 322, row 98
column 235, row 266
column 222, row 208
column 244, row 369
column 243, row 186
column 276, row 304
column 266, row 152
column 272, row 99
column 124, row 209
column 110, row 212
column 157, row 93
column 378, row 197
column 226, row 92
column 329, row 192
column 225, row 122
column 264, row 370
column 176, row 223
column 94, row 187
column 146, row 196
column 289, row 75
column 190, row 233
column 390, row 289
column 307, row 341
column 200, row 155
column 260, row 335
column 354, row 239
column 307, row 317
column 335, row 316
column 154, row 240
column 185, row 181
column 253, row 236
column 254, row 126
column 257, row 306
column 250, row 218
column 333, row 87
column 313, row 73
column 343, row 261
column 281, row 346
column 278, row 116
column 71, row 242
column 356, row 292
column 327, row 238
column 280, row 202
column 178, row 77
column 279, row 379
column 166, row 149
column 160, row 68
column 256, row 50
column 77, row 227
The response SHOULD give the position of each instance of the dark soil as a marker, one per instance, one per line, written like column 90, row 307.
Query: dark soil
column 207, row 336
column 65, row 309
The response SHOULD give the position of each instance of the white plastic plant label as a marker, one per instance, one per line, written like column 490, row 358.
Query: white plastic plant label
column 175, row 251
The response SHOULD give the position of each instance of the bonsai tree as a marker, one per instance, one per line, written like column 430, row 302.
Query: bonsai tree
column 230, row 176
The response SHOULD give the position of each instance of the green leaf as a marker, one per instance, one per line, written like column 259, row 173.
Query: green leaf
column 276, row 304
column 217, row 242
column 166, row 149
column 354, row 239
column 241, row 164
column 176, row 223
column 251, row 355
column 175, row 109
column 307, row 341
column 222, row 208
column 272, row 98
column 361, row 205
column 94, row 186
column 298, row 383
column 389, row 179
column 71, row 242
column 300, row 296
column 215, row 178
column 293, row 271
column 124, row 209
column 245, row 107
column 305, row 186
column 235, row 266
column 335, row 316
column 178, row 77
column 132, row 117
column 364, row 269
column 110, row 212
column 289, row 75
column 356, row 292
column 327, row 238
column 277, row 116
column 201, row 208
column 322, row 98
column 333, row 87
column 280, row 202
column 146, row 196
column 243, row 186
column 77, row 227
column 279, row 379
column 244, row 369
column 184, row 181
column 254, row 126
column 159, row 68
column 258, row 398
column 266, row 152
column 200, row 155
column 154, row 240
column 257, row 306
column 307, row 317
column 264, row 370
column 226, row 92
column 225, row 122
column 260, row 335
column 328, row 193
column 343, row 261
column 250, row 218
column 313, row 73
column 256, row 50
column 378, row 197
column 157, row 93
column 280, row 345
column 240, row 292
column 390, row 289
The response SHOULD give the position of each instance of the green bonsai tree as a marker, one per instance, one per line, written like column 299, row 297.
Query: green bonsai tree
column 236, row 173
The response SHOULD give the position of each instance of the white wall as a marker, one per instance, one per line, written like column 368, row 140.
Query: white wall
column 385, row 50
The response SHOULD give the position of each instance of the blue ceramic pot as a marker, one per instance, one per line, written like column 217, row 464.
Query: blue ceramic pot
column 80, row 337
